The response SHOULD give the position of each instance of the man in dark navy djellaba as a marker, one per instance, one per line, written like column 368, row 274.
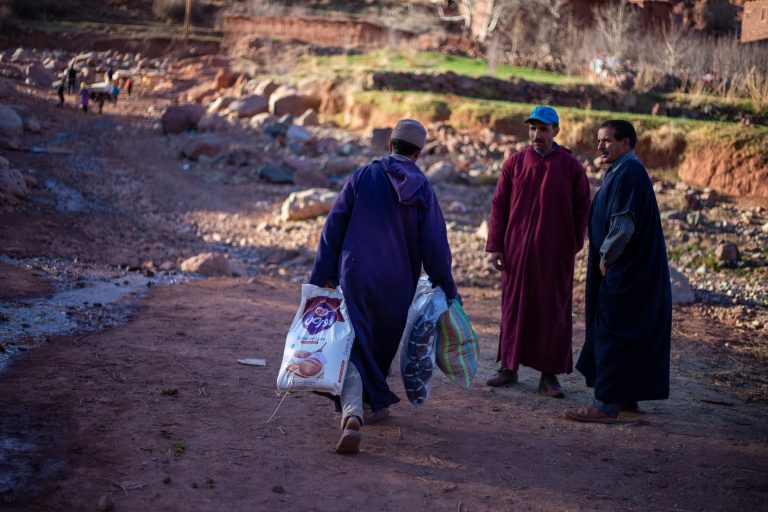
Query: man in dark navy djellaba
column 384, row 226
column 628, row 298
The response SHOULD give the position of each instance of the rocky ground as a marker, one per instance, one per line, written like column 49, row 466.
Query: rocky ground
column 113, row 220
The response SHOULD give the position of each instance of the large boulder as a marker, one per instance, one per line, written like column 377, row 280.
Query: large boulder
column 259, row 121
column 297, row 134
column 249, row 106
column 306, row 172
column 681, row 289
column 181, row 118
column 208, row 145
column 289, row 101
column 221, row 103
column 38, row 75
column 211, row 264
column 728, row 253
column 11, row 124
column 308, row 118
column 339, row 166
column 211, row 122
column 277, row 174
column 266, row 88
column 440, row 172
column 308, row 204
column 13, row 187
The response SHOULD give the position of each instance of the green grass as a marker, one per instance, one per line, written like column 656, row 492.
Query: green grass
column 433, row 63
column 132, row 30
column 470, row 110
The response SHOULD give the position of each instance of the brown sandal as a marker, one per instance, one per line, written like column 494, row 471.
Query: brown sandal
column 589, row 414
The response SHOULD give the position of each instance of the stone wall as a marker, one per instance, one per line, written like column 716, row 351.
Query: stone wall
column 315, row 30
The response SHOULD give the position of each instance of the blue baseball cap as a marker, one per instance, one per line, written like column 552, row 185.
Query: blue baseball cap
column 543, row 114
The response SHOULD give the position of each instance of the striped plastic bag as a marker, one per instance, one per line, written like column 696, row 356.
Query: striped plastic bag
column 457, row 348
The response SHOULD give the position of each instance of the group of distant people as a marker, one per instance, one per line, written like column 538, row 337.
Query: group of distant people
column 386, row 226
column 85, row 94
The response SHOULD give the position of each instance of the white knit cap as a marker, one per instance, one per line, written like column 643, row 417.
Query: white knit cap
column 410, row 130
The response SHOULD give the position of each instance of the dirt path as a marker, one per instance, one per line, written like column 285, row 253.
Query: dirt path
column 162, row 408
column 158, row 415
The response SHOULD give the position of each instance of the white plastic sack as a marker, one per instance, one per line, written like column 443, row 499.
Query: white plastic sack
column 417, row 346
column 318, row 344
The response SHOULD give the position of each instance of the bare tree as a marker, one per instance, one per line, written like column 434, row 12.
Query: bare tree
column 492, row 13
column 615, row 23
column 677, row 44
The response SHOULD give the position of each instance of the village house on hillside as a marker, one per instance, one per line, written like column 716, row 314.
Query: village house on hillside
column 754, row 21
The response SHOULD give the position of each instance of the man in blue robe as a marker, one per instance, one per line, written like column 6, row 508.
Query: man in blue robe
column 385, row 224
column 628, row 299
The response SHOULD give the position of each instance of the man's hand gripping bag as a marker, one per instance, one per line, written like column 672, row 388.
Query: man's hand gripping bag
column 318, row 344
column 417, row 346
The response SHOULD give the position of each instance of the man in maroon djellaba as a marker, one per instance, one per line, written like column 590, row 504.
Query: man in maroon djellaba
column 538, row 218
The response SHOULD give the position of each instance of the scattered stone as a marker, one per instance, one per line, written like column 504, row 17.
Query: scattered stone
column 286, row 100
column 181, row 118
column 307, row 204
column 440, row 172
column 38, row 75
column 249, row 106
column 380, row 138
column 13, row 187
column 709, row 198
column 457, row 207
column 682, row 293
column 308, row 118
column 221, row 103
column 266, row 88
column 728, row 253
column 11, row 124
column 259, row 121
column 211, row 122
column 339, row 166
column 211, row 264
column 208, row 145
column 32, row 124
column 276, row 174
column 297, row 134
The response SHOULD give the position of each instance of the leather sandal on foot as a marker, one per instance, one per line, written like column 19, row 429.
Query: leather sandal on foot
column 550, row 386
column 589, row 414
column 349, row 442
column 502, row 377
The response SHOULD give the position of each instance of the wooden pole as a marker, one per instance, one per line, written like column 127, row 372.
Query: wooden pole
column 187, row 19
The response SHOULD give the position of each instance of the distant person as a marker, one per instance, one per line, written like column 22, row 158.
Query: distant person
column 60, row 91
column 71, row 79
column 628, row 300
column 110, row 74
column 115, row 93
column 383, row 228
column 538, row 218
column 128, row 85
column 84, row 97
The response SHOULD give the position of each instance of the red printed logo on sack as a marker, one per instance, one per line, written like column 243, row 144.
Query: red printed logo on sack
column 321, row 313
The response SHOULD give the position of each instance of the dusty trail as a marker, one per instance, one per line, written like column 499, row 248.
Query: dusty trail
column 161, row 408
column 158, row 415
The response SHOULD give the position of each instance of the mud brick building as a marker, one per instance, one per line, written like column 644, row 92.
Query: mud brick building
column 754, row 21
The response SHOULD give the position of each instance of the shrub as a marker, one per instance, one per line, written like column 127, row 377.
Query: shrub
column 39, row 9
column 7, row 17
column 173, row 10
